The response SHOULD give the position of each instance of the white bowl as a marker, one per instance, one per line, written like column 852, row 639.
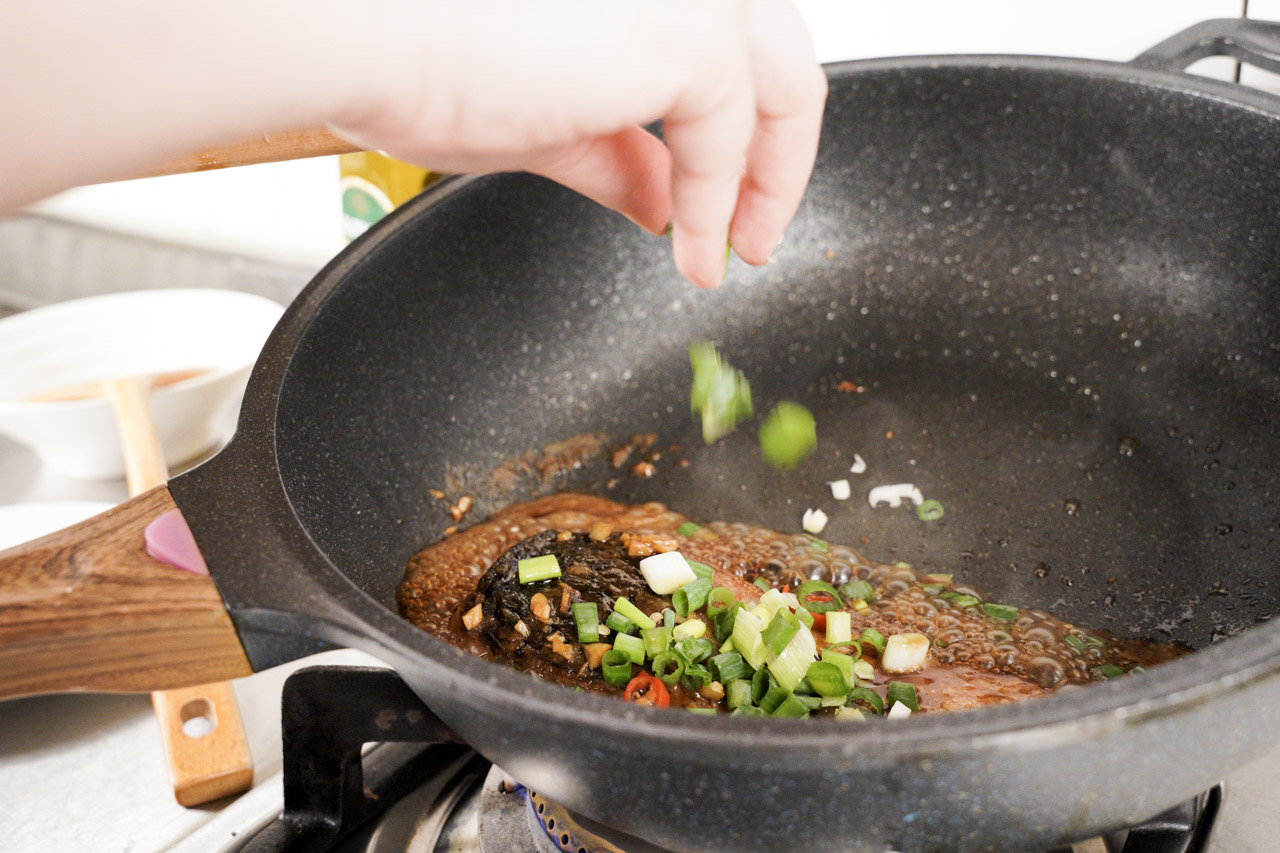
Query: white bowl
column 23, row 522
column 138, row 333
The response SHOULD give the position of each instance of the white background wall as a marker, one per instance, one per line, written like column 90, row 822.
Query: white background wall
column 289, row 212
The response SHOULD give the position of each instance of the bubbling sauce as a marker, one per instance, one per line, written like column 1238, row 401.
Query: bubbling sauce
column 976, row 658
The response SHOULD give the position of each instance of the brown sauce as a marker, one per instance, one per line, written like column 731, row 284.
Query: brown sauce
column 975, row 659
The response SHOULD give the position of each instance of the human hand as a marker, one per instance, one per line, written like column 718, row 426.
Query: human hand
column 561, row 88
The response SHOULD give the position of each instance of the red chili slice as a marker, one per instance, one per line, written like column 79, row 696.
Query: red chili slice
column 819, row 621
column 649, row 687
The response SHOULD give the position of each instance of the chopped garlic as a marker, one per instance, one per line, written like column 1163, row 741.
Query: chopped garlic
column 666, row 573
column 840, row 490
column 898, row 711
column 894, row 495
column 905, row 653
column 814, row 521
column 859, row 465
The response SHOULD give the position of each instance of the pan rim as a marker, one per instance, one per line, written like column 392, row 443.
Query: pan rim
column 1237, row 662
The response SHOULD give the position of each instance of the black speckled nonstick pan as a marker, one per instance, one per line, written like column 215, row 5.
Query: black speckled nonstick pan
column 1059, row 282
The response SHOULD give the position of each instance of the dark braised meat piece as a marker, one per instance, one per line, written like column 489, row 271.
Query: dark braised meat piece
column 531, row 625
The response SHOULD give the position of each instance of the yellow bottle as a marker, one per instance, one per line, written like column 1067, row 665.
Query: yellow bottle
column 373, row 185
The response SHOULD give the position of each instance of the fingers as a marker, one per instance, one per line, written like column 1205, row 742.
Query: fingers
column 628, row 171
column 791, row 90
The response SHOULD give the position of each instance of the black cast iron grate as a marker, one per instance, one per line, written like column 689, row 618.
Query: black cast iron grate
column 333, row 786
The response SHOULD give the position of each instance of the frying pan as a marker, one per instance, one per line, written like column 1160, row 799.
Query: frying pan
column 1058, row 280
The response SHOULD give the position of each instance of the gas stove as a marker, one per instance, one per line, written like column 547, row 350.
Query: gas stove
column 407, row 792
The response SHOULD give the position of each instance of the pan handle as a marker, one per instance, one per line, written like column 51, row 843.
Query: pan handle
column 87, row 608
column 1254, row 42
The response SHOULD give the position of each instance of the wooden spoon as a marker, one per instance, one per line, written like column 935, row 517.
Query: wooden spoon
column 218, row 763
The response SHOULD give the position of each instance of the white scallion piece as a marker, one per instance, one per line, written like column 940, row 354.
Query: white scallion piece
column 859, row 465
column 898, row 711
column 853, row 714
column 791, row 600
column 666, row 573
column 814, row 521
column 840, row 489
column 894, row 495
column 690, row 629
column 905, row 653
column 861, row 669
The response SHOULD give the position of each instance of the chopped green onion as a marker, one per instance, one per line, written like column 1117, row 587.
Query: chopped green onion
column 930, row 510
column 696, row 676
column 858, row 589
column 839, row 627
column 629, row 610
column 691, row 629
column 827, row 679
column 772, row 601
column 780, row 630
column 720, row 600
column 1094, row 641
column 695, row 650
column 804, row 687
column 746, row 639
column 1003, row 612
column 656, row 641
column 587, row 619
column 722, row 624
column 668, row 618
column 849, row 714
column 873, row 638
column 763, row 584
column 1073, row 641
column 805, row 617
column 1108, row 670
column 728, row 667
column 842, row 662
column 688, row 528
column 959, row 598
column 868, row 697
column 719, row 394
column 706, row 712
column 633, row 646
column 933, row 588
column 818, row 597
column 748, row 711
column 533, row 569
column 811, row 703
column 737, row 692
column 701, row 570
column 668, row 667
column 901, row 691
column 863, row 670
column 619, row 624
column 690, row 597
column 727, row 646
column 787, row 435
column 775, row 697
column 790, row 665
column 761, row 683
column 819, row 546
column 792, row 707
column 616, row 665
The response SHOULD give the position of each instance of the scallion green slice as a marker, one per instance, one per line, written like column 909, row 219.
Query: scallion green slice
column 775, row 697
column 873, row 638
column 696, row 676
column 629, row 610
column 720, row 600
column 668, row 667
column 656, row 640
column 787, row 435
column 1073, row 641
column 619, row 624
column 722, row 624
column 688, row 528
column 720, row 394
column 728, row 666
column 616, row 666
column 1003, row 612
column 1108, row 670
column 842, row 662
column 813, row 703
column 819, row 546
column 933, row 588
column 668, row 618
column 818, row 597
column 746, row 639
column 858, row 589
column 633, row 646
column 793, row 707
column 866, row 697
column 805, row 617
column 839, row 627
column 930, row 510
column 780, row 630
column 901, row 691
column 534, row 569
column 695, row 651
column 748, row 711
column 761, row 683
column 763, row 584
column 826, row 678
column 586, row 617
column 701, row 570
column 737, row 692
column 690, row 597
column 960, row 599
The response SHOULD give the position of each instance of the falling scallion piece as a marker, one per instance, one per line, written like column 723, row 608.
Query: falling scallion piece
column 720, row 395
column 930, row 510
column 788, row 435
column 688, row 528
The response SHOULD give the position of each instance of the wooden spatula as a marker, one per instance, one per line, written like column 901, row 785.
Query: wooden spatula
column 218, row 763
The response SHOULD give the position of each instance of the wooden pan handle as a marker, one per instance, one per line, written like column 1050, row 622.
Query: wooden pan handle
column 268, row 148
column 87, row 608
